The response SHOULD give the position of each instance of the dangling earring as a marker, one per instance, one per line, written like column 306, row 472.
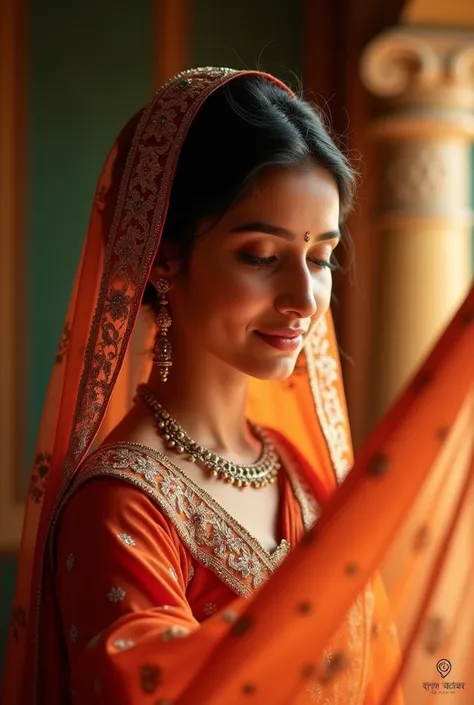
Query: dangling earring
column 162, row 347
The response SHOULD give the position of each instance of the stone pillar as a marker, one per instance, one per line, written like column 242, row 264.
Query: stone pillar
column 423, row 127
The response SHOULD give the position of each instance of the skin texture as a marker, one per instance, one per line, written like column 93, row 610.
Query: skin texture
column 218, row 302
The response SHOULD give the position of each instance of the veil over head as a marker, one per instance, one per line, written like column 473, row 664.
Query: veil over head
column 95, row 373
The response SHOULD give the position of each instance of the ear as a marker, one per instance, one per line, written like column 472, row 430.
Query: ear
column 167, row 264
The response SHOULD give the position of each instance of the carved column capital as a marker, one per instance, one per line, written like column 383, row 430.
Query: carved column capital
column 423, row 72
column 422, row 127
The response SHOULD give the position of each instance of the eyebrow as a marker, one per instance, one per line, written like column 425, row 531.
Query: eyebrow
column 269, row 229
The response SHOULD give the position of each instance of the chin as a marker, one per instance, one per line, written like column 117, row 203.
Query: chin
column 275, row 370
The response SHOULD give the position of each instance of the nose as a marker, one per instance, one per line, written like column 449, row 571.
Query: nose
column 297, row 296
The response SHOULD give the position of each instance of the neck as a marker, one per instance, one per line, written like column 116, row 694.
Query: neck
column 207, row 398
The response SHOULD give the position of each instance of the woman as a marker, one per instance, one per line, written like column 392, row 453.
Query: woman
column 153, row 559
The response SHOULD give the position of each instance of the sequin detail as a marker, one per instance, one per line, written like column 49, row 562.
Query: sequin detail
column 127, row 539
column 174, row 632
column 73, row 633
column 70, row 560
column 210, row 608
column 116, row 594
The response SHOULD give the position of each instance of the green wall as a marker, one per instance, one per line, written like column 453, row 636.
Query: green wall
column 264, row 34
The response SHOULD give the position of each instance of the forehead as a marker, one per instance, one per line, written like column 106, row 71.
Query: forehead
column 302, row 199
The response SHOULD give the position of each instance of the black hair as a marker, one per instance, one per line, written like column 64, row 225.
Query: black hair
column 243, row 129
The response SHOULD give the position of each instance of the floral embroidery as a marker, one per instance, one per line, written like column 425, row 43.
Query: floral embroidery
column 140, row 205
column 117, row 304
column 247, row 565
column 116, row 594
column 70, row 560
column 126, row 248
column 127, row 539
column 324, row 374
column 18, row 622
column 173, row 574
column 123, row 644
column 212, row 536
column 210, row 608
column 73, row 633
column 39, row 476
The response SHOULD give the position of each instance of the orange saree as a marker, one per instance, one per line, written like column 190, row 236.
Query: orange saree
column 134, row 587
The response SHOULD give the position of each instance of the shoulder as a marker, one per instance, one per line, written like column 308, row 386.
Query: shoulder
column 117, row 486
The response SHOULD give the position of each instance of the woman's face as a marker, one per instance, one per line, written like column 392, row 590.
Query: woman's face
column 255, row 285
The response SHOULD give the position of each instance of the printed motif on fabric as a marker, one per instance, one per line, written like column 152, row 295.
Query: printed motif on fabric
column 324, row 375
column 211, row 535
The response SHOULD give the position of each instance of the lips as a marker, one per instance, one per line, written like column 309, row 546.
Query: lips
column 283, row 332
column 284, row 339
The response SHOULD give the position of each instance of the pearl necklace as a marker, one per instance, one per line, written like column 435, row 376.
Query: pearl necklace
column 258, row 475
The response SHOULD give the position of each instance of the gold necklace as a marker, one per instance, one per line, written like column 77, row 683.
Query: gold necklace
column 258, row 475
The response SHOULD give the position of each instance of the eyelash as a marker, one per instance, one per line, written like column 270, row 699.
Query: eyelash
column 262, row 261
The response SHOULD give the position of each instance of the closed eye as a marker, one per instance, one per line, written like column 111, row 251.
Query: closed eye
column 265, row 261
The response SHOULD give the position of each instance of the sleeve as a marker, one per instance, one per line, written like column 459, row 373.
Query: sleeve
column 132, row 639
column 121, row 576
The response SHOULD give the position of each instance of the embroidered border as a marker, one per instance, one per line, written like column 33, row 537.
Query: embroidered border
column 323, row 373
column 211, row 535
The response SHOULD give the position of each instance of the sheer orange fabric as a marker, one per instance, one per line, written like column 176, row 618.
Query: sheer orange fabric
column 405, row 508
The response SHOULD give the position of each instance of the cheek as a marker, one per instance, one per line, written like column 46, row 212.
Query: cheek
column 322, row 293
column 215, row 298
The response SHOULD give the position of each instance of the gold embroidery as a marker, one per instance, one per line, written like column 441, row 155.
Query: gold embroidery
column 116, row 594
column 174, row 632
column 73, row 633
column 123, row 644
column 70, row 560
column 211, row 535
column 323, row 372
column 210, row 608
column 133, row 240
column 127, row 539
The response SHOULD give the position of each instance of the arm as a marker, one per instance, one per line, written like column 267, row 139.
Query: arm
column 121, row 580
